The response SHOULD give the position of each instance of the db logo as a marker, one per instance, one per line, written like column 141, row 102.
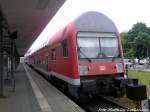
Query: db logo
column 102, row 67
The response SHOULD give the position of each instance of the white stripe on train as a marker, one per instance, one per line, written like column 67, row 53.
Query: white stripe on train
column 60, row 76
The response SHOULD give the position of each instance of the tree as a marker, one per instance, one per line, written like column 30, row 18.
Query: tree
column 142, row 43
column 136, row 42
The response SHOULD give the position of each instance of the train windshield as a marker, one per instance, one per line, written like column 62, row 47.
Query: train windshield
column 97, row 45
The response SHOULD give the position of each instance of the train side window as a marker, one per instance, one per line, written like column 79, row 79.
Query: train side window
column 64, row 48
column 53, row 54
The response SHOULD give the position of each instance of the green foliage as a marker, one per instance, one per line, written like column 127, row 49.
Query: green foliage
column 136, row 42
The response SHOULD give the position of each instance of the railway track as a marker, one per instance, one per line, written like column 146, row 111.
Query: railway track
column 101, row 104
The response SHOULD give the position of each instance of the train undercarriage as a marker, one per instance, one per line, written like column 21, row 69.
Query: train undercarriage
column 95, row 86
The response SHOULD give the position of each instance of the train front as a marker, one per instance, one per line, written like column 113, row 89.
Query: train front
column 100, row 60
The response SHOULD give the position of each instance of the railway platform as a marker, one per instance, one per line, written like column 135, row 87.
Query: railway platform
column 34, row 94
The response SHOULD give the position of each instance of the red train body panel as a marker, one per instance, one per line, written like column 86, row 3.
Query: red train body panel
column 86, row 55
column 68, row 64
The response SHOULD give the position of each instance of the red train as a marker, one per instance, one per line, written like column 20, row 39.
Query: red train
column 84, row 57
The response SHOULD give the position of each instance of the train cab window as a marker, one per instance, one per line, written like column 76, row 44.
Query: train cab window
column 53, row 54
column 64, row 49
column 97, row 45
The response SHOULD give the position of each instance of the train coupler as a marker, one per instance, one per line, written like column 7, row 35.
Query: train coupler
column 122, row 82
column 120, row 85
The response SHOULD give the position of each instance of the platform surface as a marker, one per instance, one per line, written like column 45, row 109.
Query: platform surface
column 34, row 94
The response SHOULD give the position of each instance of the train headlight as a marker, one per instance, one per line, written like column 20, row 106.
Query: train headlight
column 119, row 67
column 83, row 70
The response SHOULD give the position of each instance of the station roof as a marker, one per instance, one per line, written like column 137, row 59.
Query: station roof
column 28, row 18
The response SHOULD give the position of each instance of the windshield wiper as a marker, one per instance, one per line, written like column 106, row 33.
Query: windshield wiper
column 86, row 57
column 101, row 55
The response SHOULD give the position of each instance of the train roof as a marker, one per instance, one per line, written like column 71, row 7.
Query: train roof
column 95, row 21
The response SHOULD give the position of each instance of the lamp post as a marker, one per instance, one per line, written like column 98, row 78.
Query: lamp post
column 1, row 60
column 1, row 54
column 13, row 36
column 147, row 64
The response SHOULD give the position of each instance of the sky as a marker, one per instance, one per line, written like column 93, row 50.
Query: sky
column 124, row 13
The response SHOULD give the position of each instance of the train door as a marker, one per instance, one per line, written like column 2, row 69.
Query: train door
column 46, row 62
